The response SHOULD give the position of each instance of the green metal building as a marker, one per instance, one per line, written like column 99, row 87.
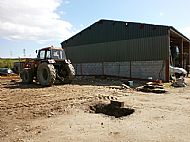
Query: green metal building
column 126, row 49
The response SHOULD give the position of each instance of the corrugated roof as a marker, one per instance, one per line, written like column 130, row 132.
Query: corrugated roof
column 110, row 30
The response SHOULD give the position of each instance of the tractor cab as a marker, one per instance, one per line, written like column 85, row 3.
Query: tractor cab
column 51, row 53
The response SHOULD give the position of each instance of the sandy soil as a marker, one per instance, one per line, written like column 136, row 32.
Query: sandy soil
column 62, row 113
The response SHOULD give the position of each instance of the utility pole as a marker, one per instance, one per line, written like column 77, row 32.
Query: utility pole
column 24, row 52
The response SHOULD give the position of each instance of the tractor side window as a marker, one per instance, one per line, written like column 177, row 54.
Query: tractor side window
column 61, row 54
column 48, row 55
column 42, row 54
column 56, row 54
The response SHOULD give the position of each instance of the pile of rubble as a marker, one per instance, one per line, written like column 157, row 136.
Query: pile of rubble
column 179, row 82
column 152, row 87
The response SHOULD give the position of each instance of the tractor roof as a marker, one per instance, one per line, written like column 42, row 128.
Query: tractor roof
column 51, row 47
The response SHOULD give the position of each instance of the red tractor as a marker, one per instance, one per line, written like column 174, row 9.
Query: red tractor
column 50, row 65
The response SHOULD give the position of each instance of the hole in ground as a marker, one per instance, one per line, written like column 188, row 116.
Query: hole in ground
column 111, row 110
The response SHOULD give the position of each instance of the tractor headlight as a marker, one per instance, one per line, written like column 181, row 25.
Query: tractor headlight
column 67, row 61
column 51, row 61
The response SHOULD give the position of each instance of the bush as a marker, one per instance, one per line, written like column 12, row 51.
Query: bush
column 7, row 63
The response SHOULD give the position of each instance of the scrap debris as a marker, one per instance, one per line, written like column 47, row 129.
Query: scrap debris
column 123, row 86
column 153, row 87
column 179, row 82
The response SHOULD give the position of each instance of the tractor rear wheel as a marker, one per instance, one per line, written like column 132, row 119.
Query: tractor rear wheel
column 46, row 74
column 27, row 76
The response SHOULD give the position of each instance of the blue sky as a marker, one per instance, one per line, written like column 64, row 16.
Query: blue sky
column 32, row 24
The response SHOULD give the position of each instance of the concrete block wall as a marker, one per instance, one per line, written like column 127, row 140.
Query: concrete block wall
column 111, row 68
column 88, row 69
column 137, row 69
column 124, row 69
column 146, row 69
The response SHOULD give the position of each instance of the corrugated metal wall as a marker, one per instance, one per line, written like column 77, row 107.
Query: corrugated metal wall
column 141, row 49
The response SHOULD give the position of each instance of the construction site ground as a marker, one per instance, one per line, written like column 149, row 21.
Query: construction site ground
column 65, row 113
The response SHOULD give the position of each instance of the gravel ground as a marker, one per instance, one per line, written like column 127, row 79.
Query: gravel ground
column 60, row 113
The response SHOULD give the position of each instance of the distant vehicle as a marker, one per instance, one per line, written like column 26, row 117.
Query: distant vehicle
column 6, row 71
column 177, row 71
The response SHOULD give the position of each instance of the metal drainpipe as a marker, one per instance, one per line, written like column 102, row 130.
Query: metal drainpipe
column 103, row 68
column 130, row 69
column 81, row 69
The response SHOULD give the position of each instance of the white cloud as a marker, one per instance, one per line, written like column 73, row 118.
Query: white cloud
column 33, row 20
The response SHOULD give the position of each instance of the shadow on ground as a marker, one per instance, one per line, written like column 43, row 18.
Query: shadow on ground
column 111, row 110
column 94, row 81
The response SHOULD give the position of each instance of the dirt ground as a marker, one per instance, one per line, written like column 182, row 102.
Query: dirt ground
column 63, row 113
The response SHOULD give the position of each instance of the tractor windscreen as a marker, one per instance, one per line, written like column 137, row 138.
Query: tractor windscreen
column 58, row 54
